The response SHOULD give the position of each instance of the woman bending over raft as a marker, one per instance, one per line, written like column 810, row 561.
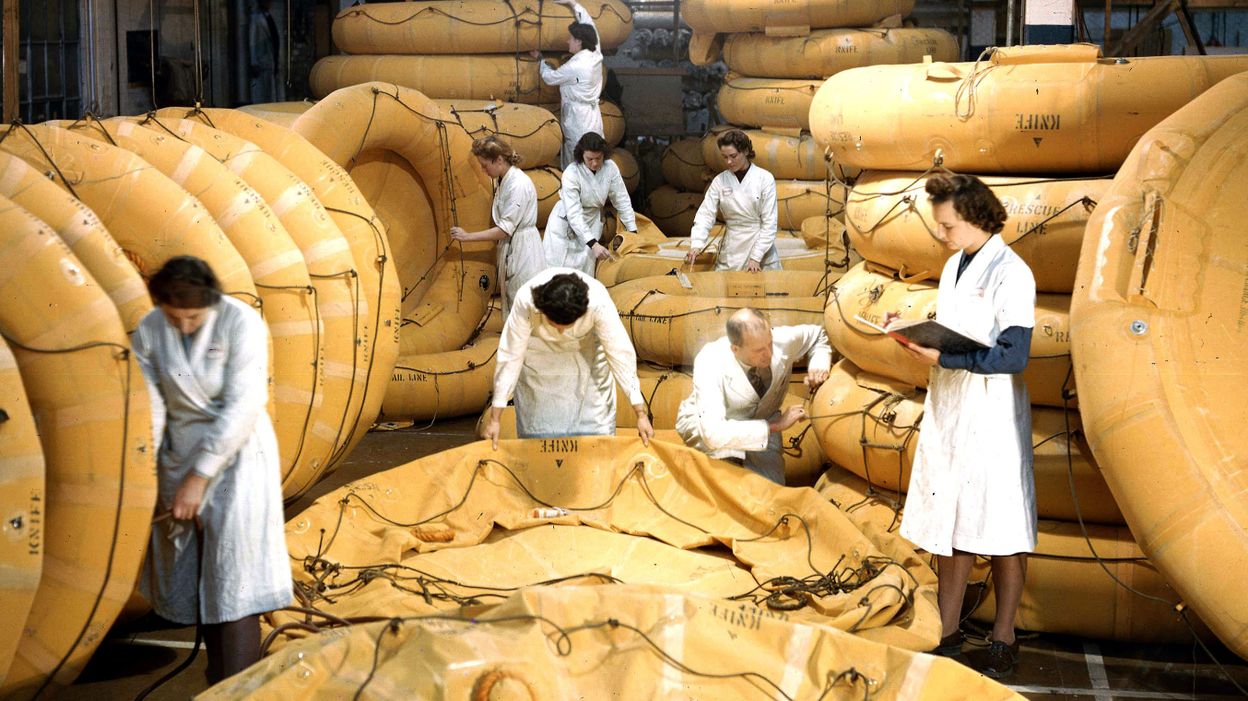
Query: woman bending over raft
column 575, row 224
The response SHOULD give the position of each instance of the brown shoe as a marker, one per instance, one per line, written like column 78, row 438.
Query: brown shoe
column 1001, row 660
column 950, row 645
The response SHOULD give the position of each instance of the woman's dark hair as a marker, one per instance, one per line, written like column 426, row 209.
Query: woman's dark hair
column 185, row 282
column 585, row 33
column 738, row 140
column 563, row 298
column 492, row 147
column 971, row 198
column 591, row 141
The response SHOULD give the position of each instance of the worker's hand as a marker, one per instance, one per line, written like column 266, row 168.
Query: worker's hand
column 792, row 415
column 753, row 266
column 890, row 317
column 600, row 252
column 927, row 356
column 189, row 496
column 644, row 429
column 491, row 429
column 535, row 54
column 458, row 234
column 815, row 378
column 691, row 256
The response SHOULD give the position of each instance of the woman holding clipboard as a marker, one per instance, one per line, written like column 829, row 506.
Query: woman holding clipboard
column 971, row 488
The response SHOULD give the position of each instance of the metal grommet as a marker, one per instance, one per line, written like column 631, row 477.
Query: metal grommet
column 1139, row 328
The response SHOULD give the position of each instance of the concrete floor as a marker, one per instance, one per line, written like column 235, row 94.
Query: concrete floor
column 1051, row 667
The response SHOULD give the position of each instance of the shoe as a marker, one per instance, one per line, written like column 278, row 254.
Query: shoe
column 1001, row 660
column 950, row 645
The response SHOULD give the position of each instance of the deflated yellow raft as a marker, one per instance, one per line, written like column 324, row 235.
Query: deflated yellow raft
column 583, row 641
column 472, row 26
column 90, row 402
column 870, row 425
column 1034, row 109
column 769, row 102
column 514, row 78
column 468, row 525
column 669, row 323
column 869, row 294
column 755, row 16
column 826, row 52
column 1159, row 320
column 890, row 222
column 638, row 256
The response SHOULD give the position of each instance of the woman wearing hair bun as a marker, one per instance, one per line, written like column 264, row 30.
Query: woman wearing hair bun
column 745, row 195
column 514, row 212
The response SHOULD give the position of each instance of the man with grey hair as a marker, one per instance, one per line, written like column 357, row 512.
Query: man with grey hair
column 739, row 383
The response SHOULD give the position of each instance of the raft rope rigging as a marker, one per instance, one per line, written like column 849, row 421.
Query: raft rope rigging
column 966, row 89
column 122, row 355
column 521, row 17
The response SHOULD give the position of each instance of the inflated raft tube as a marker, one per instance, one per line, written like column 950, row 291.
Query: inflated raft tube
column 673, row 210
column 513, row 78
column 82, row 231
column 22, row 500
column 287, row 298
column 460, row 292
column 510, row 651
column 754, row 16
column 639, row 257
column 483, row 518
column 612, row 118
column 151, row 217
column 870, row 294
column 472, row 26
column 684, row 167
column 533, row 131
column 798, row 200
column 366, row 269
column 546, row 180
column 870, row 425
column 629, row 168
column 826, row 52
column 890, row 222
column 280, row 113
column 1159, row 321
column 788, row 154
column 384, row 119
column 768, row 102
column 669, row 323
column 1022, row 110
column 90, row 402
column 442, row 385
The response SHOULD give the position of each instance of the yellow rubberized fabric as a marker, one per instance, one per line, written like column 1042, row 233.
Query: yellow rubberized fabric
column 1018, row 112
column 826, row 52
column 533, row 131
column 644, row 255
column 630, row 170
column 23, row 503
column 768, row 102
column 672, row 210
column 442, row 385
column 871, row 292
column 547, row 181
column 472, row 26
column 88, row 398
column 280, row 113
column 514, row 78
column 684, row 166
column 788, row 154
column 754, row 16
column 1159, row 326
column 890, row 222
column 468, row 525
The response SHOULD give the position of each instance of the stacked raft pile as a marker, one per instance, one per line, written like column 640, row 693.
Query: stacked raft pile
column 1018, row 116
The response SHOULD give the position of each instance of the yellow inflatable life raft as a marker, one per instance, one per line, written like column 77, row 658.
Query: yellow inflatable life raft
column 629, row 169
column 788, row 154
column 1159, row 315
column 533, row 131
column 441, row 385
column 639, row 256
column 753, row 16
column 673, row 210
column 547, row 181
column 514, row 78
column 1022, row 110
column 472, row 26
column 890, row 222
column 280, row 113
column 768, row 102
column 684, row 167
column 826, row 52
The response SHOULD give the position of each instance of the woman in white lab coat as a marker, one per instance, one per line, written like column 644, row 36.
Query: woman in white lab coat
column 745, row 195
column 206, row 361
column 514, row 212
column 575, row 224
column 579, row 80
column 971, row 488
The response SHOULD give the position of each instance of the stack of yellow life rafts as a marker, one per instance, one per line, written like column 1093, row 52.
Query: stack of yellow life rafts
column 900, row 124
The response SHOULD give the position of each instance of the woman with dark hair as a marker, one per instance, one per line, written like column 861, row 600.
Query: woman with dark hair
column 579, row 80
column 519, row 249
column 206, row 361
column 971, row 487
column 745, row 195
column 562, row 351
column 575, row 224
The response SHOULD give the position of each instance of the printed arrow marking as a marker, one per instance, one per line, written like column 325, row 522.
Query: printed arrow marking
column 1037, row 139
column 558, row 463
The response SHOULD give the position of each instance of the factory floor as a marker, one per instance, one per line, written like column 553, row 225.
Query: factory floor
column 1051, row 667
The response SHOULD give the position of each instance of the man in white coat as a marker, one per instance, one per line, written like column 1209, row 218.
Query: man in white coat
column 745, row 195
column 579, row 80
column 575, row 224
column 739, row 382
column 562, row 351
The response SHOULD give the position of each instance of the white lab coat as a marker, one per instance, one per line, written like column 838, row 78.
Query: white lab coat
column 576, row 219
column 749, row 211
column 971, row 487
column 514, row 211
column 726, row 418
column 209, row 416
column 580, row 85
column 563, row 381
